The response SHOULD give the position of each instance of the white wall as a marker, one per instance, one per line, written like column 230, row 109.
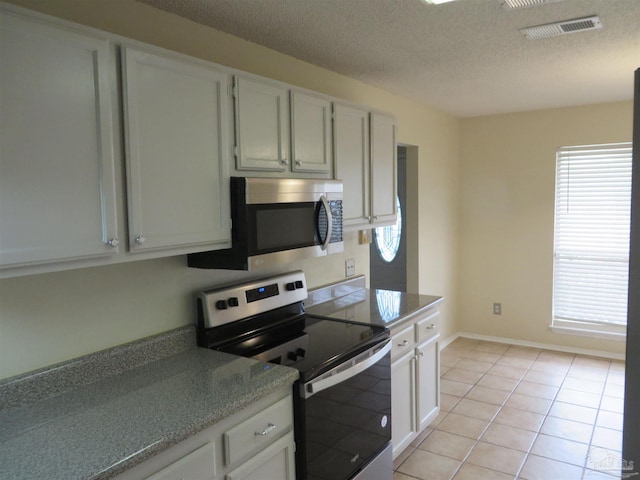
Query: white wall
column 507, row 216
column 53, row 317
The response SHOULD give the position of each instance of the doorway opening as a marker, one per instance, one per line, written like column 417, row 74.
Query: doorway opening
column 392, row 245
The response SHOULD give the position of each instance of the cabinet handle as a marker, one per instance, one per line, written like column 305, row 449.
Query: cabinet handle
column 404, row 343
column 298, row 163
column 431, row 326
column 375, row 217
column 284, row 161
column 140, row 240
column 266, row 431
column 112, row 242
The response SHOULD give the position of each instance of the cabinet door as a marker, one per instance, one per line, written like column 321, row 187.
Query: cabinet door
column 402, row 402
column 176, row 141
column 428, row 382
column 383, row 169
column 275, row 462
column 262, row 129
column 351, row 152
column 57, row 188
column 198, row 465
column 310, row 133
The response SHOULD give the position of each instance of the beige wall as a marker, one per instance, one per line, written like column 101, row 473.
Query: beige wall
column 507, row 216
column 57, row 316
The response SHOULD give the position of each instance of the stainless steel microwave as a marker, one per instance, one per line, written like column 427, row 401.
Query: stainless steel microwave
column 277, row 221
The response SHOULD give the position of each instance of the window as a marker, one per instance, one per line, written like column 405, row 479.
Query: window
column 387, row 238
column 591, row 247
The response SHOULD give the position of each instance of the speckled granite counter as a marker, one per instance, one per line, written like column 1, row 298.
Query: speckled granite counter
column 102, row 426
column 350, row 300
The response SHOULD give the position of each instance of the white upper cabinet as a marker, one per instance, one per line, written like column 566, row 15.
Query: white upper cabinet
column 262, row 125
column 57, row 187
column 177, row 151
column 383, row 169
column 280, row 131
column 66, row 191
column 351, row 151
column 310, row 133
column 365, row 158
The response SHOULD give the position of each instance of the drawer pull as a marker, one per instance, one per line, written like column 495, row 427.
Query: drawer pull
column 404, row 343
column 271, row 427
column 431, row 326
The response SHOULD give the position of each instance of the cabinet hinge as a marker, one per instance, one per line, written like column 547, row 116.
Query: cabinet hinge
column 234, row 91
column 235, row 151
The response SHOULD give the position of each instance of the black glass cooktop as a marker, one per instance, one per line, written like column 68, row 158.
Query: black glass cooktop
column 312, row 345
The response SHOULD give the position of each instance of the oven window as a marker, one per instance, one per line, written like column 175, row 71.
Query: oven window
column 348, row 424
column 281, row 226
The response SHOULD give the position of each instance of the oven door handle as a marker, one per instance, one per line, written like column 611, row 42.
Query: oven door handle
column 315, row 386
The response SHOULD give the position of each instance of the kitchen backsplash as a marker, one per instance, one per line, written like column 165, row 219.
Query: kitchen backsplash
column 53, row 317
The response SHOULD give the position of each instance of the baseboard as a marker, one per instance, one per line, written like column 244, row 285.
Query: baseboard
column 523, row 343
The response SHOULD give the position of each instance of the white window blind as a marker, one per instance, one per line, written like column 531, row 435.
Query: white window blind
column 591, row 250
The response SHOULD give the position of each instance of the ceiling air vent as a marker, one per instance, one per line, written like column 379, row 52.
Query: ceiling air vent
column 512, row 4
column 562, row 28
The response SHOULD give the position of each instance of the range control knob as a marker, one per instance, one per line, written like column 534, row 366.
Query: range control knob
column 299, row 284
column 233, row 302
column 301, row 352
column 290, row 286
column 293, row 356
column 221, row 305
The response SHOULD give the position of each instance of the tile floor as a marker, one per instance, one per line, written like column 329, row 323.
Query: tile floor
column 511, row 412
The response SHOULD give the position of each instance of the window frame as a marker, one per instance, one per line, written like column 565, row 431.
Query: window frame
column 580, row 258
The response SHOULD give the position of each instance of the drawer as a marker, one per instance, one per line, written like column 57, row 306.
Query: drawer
column 258, row 431
column 198, row 464
column 403, row 342
column 428, row 326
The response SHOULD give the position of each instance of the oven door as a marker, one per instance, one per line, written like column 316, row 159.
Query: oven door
column 343, row 417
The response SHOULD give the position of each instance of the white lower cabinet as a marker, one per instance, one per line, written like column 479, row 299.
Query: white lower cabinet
column 415, row 379
column 256, row 443
column 428, row 382
column 403, row 402
column 197, row 465
column 277, row 462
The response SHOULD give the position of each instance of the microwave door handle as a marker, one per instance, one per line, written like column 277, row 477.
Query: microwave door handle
column 325, row 204
column 315, row 386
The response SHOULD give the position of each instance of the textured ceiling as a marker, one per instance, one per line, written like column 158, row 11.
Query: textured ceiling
column 466, row 57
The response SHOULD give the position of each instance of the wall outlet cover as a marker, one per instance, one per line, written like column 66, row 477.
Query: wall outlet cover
column 350, row 267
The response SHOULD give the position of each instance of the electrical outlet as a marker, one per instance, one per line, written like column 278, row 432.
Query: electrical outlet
column 349, row 267
column 497, row 309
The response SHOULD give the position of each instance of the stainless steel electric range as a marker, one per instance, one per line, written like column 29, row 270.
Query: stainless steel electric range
column 342, row 401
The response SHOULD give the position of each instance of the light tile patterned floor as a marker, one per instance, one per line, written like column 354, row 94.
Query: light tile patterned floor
column 511, row 412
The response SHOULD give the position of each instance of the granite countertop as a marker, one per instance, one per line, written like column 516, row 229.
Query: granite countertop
column 99, row 428
column 351, row 301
